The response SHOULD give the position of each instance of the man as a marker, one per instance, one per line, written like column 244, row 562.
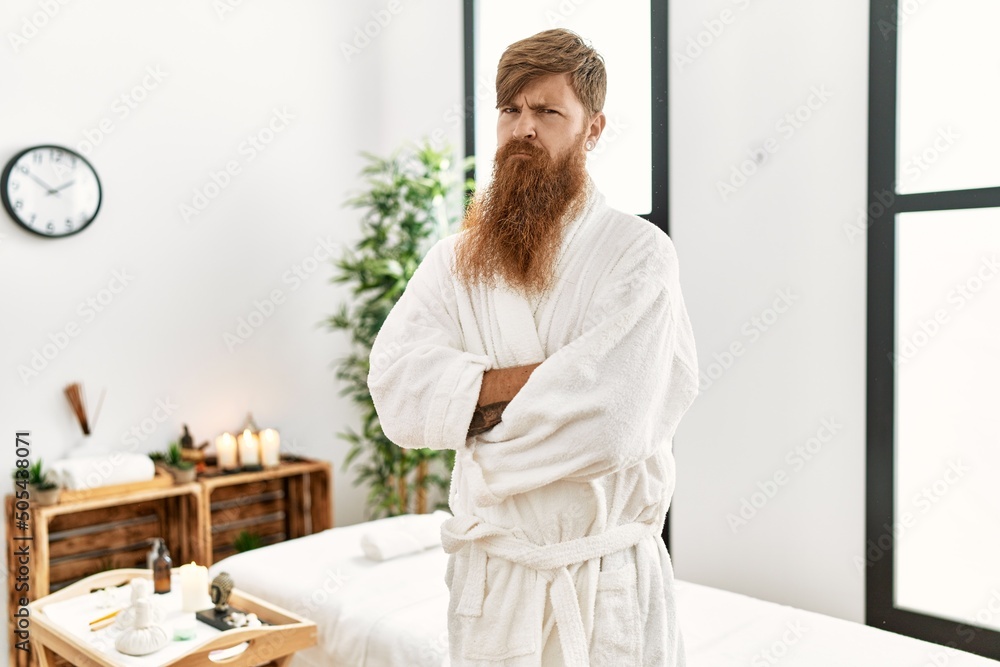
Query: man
column 548, row 344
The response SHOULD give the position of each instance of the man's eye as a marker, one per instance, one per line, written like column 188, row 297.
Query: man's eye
column 509, row 110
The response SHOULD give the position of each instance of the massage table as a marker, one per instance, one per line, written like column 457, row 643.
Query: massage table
column 394, row 613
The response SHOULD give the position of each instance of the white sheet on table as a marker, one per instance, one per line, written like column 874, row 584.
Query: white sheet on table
column 374, row 614
column 724, row 629
column 394, row 613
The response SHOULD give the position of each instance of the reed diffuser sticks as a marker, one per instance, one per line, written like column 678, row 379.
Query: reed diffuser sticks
column 74, row 392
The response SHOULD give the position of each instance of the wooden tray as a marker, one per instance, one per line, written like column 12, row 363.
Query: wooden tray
column 161, row 479
column 284, row 634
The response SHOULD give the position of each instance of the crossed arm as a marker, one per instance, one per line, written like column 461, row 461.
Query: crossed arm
column 499, row 387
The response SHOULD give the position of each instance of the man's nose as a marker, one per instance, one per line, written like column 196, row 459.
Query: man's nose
column 525, row 127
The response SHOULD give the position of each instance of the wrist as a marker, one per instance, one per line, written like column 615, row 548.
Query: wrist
column 486, row 417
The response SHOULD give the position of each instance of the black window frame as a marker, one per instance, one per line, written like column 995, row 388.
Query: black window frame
column 884, row 204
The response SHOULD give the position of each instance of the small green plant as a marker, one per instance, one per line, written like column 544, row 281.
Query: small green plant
column 36, row 476
column 247, row 541
column 175, row 459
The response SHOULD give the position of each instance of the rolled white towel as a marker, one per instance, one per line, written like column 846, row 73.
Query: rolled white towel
column 90, row 472
column 403, row 535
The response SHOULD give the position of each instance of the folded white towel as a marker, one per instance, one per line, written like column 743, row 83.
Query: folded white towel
column 403, row 535
column 90, row 472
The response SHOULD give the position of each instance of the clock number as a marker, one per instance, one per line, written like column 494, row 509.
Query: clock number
column 14, row 185
column 33, row 216
column 23, row 168
column 69, row 224
column 55, row 155
column 51, row 227
column 37, row 157
column 18, row 204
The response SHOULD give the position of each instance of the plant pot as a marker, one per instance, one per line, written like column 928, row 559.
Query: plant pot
column 43, row 497
column 183, row 476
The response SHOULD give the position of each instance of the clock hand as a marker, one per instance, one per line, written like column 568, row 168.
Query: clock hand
column 64, row 185
column 42, row 183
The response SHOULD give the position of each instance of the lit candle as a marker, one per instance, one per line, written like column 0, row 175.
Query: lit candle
column 225, row 451
column 249, row 449
column 194, row 587
column 269, row 447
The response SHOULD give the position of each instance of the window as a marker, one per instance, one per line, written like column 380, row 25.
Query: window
column 933, row 519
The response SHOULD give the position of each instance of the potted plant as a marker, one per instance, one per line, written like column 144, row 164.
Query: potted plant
column 182, row 469
column 413, row 198
column 42, row 490
column 247, row 541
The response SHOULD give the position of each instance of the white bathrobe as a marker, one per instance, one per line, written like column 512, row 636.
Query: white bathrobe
column 556, row 555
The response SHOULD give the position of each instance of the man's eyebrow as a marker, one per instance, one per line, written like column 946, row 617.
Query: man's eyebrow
column 545, row 105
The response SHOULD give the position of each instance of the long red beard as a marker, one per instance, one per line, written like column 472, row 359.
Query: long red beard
column 514, row 228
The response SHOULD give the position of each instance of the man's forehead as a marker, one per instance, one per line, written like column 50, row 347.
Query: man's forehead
column 550, row 89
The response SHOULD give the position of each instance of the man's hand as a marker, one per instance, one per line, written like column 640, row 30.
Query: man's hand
column 499, row 387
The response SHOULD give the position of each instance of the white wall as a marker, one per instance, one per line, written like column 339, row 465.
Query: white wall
column 222, row 76
column 782, row 230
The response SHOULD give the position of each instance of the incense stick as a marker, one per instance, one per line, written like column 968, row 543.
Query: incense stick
column 97, row 410
column 74, row 393
column 103, row 621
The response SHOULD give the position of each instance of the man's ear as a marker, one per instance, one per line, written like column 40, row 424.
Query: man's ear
column 596, row 127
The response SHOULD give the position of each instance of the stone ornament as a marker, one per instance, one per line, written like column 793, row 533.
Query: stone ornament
column 222, row 587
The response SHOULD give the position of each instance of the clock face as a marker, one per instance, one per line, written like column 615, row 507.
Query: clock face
column 50, row 190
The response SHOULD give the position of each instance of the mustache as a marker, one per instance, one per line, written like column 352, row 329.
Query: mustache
column 515, row 146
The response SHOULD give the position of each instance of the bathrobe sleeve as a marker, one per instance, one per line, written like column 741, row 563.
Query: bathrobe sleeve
column 424, row 385
column 608, row 400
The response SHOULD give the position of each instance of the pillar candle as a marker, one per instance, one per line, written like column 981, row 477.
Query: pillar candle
column 194, row 587
column 270, row 443
column 249, row 449
column 225, row 451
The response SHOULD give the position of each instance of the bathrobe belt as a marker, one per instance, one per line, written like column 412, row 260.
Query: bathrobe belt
column 551, row 561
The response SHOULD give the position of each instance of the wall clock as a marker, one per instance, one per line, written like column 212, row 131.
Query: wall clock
column 50, row 190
